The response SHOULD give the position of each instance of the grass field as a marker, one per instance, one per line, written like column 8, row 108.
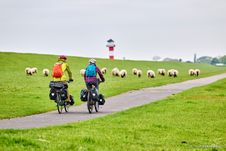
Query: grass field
column 25, row 95
column 192, row 120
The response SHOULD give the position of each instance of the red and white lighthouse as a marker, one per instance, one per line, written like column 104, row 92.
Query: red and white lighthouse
column 111, row 45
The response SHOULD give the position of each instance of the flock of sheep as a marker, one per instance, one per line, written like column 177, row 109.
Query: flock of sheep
column 32, row 71
column 123, row 73
column 150, row 73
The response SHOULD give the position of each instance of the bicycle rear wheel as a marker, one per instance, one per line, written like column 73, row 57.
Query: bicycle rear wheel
column 89, row 104
column 59, row 106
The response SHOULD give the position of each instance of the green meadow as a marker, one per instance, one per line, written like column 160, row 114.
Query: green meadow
column 192, row 120
column 23, row 95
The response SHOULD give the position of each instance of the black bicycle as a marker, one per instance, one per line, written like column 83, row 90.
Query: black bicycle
column 93, row 98
column 58, row 93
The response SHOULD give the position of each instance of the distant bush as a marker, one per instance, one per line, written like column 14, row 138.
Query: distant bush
column 170, row 59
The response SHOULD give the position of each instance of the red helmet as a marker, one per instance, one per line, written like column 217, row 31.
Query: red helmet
column 62, row 57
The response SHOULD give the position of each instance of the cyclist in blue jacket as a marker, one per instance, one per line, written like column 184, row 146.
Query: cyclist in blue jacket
column 90, row 75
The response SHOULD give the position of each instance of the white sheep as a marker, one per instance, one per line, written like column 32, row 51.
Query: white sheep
column 123, row 73
column 173, row 73
column 139, row 73
column 191, row 72
column 176, row 73
column 28, row 71
column 170, row 72
column 115, row 72
column 197, row 72
column 45, row 72
column 104, row 70
column 150, row 74
column 82, row 72
column 161, row 72
column 34, row 70
column 134, row 71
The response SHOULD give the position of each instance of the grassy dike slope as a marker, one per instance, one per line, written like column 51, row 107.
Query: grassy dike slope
column 25, row 95
column 192, row 120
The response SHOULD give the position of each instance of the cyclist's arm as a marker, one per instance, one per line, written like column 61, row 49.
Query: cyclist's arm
column 69, row 71
column 100, row 74
column 84, row 76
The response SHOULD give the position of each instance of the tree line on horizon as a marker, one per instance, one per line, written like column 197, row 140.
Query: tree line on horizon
column 202, row 59
column 212, row 60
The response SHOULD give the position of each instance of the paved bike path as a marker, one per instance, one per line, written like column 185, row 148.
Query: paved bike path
column 113, row 104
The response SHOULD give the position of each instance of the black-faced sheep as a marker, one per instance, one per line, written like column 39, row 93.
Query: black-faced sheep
column 150, row 74
column 34, row 70
column 173, row 73
column 197, row 72
column 104, row 70
column 162, row 72
column 123, row 73
column 191, row 72
column 134, row 71
column 82, row 72
column 139, row 73
column 45, row 72
column 115, row 72
column 28, row 71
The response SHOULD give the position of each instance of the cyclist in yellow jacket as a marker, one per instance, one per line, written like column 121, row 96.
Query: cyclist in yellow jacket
column 66, row 73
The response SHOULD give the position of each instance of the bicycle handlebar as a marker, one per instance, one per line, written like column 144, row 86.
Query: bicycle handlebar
column 69, row 81
column 99, row 81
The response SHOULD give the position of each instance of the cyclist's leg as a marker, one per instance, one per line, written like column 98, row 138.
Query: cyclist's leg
column 95, row 83
column 68, row 94
column 92, row 83
column 88, row 85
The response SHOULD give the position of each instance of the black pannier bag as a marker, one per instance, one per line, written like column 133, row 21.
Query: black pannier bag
column 94, row 95
column 63, row 94
column 52, row 94
column 101, row 99
column 72, row 100
column 83, row 95
column 57, row 85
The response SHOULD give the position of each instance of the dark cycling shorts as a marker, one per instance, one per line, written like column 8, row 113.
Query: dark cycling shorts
column 89, row 84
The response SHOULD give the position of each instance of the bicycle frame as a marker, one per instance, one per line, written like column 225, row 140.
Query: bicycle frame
column 61, row 104
column 91, row 102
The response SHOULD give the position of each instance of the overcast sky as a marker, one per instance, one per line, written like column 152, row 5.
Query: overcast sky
column 141, row 29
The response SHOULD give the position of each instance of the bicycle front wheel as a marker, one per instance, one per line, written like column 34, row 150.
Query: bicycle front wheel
column 96, row 106
column 66, row 107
